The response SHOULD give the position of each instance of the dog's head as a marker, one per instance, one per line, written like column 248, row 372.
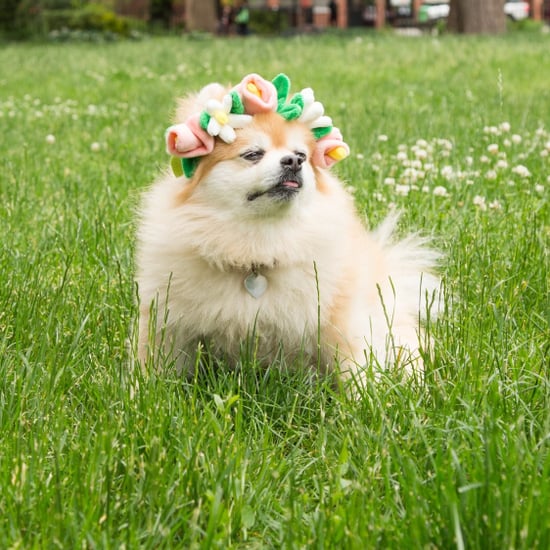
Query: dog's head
column 267, row 168
column 249, row 149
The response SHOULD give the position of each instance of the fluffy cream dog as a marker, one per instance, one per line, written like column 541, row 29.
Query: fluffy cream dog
column 261, row 246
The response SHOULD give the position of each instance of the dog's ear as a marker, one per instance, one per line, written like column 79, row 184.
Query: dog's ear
column 195, row 103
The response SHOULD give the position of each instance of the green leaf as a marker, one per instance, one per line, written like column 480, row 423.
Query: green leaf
column 298, row 99
column 282, row 85
column 290, row 111
column 189, row 166
column 177, row 167
column 237, row 106
column 204, row 119
column 319, row 133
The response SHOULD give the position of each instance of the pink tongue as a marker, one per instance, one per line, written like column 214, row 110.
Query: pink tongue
column 291, row 184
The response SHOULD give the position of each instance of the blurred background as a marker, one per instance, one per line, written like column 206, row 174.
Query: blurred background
column 24, row 19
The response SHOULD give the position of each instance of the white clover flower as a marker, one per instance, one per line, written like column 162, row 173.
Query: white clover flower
column 507, row 142
column 446, row 144
column 440, row 191
column 95, row 147
column 492, row 148
column 547, row 145
column 50, row 138
column 502, row 164
column 539, row 188
column 541, row 132
column 491, row 175
column 382, row 137
column 521, row 171
column 484, row 159
column 479, row 201
column 425, row 189
column 359, row 156
column 416, row 164
column 447, row 172
column 422, row 143
column 377, row 156
column 491, row 130
column 410, row 175
column 389, row 181
column 402, row 190
column 544, row 153
column 379, row 197
column 222, row 122
column 505, row 126
column 421, row 153
column 401, row 156
column 516, row 138
column 402, row 147
column 495, row 205
column 469, row 161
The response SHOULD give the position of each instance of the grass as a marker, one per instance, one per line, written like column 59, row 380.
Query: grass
column 264, row 457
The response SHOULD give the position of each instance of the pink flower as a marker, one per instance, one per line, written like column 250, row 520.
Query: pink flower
column 188, row 140
column 330, row 149
column 258, row 95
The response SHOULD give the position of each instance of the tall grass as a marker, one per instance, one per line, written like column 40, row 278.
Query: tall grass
column 455, row 132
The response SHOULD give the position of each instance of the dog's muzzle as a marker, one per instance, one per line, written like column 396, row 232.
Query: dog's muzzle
column 288, row 183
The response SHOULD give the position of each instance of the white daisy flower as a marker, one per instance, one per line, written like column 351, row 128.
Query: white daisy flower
column 222, row 122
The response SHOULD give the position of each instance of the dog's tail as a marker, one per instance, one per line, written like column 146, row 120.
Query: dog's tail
column 413, row 263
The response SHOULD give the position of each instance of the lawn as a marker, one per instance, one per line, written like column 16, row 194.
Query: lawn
column 455, row 132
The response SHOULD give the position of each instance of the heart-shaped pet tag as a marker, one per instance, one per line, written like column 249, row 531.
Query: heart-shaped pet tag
column 255, row 284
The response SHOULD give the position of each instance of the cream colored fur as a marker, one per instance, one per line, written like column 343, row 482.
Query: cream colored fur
column 198, row 239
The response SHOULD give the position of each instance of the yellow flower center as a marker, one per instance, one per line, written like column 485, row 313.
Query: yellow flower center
column 253, row 89
column 221, row 117
column 338, row 153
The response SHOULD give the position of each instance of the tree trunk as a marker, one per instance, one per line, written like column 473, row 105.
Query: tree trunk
column 200, row 15
column 477, row 17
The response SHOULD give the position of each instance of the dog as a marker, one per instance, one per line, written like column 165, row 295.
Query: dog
column 253, row 242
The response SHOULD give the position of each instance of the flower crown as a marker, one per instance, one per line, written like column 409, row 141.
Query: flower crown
column 194, row 138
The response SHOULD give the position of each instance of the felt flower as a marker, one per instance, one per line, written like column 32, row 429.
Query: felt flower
column 258, row 95
column 330, row 149
column 188, row 140
column 222, row 122
column 313, row 111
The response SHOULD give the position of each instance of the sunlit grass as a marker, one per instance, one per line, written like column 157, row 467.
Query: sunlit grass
column 454, row 132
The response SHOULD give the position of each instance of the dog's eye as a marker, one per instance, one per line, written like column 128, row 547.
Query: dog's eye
column 253, row 155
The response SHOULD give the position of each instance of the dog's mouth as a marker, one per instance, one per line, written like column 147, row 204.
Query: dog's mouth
column 288, row 185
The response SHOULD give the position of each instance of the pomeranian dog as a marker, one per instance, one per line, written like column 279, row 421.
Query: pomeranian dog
column 252, row 243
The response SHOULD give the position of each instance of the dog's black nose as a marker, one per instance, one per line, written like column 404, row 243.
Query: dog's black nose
column 292, row 162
